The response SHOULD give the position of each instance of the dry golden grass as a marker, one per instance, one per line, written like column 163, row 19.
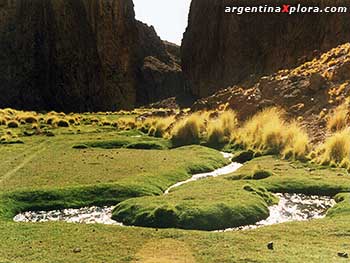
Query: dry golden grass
column 268, row 132
column 127, row 123
column 12, row 124
column 339, row 118
column 221, row 129
column 335, row 150
column 297, row 142
column 61, row 123
column 189, row 129
column 159, row 126
column 2, row 121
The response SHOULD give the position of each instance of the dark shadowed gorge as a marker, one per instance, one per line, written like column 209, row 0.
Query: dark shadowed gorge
column 81, row 55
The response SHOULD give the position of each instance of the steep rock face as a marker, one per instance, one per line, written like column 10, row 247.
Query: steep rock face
column 160, row 74
column 79, row 55
column 221, row 50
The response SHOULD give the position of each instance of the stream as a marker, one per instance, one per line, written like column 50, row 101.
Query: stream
column 291, row 207
column 232, row 167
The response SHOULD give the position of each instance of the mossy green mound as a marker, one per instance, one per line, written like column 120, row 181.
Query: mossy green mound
column 130, row 142
column 209, row 204
column 53, row 175
column 294, row 176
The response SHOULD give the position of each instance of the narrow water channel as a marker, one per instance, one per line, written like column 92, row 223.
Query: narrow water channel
column 291, row 207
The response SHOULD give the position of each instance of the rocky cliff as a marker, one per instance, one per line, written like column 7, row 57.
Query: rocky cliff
column 308, row 92
column 80, row 55
column 221, row 49
column 160, row 74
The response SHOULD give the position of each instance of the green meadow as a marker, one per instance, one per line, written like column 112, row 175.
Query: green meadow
column 100, row 159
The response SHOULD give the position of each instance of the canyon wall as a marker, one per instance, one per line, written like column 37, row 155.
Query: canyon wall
column 81, row 55
column 222, row 49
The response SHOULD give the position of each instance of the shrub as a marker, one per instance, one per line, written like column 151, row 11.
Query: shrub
column 12, row 124
column 338, row 120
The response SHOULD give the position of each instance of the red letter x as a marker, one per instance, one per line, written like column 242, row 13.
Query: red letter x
column 285, row 9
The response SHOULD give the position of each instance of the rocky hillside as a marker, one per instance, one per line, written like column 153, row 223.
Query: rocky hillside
column 220, row 50
column 308, row 92
column 81, row 55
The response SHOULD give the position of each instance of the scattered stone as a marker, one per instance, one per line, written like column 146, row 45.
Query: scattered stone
column 77, row 250
column 343, row 255
column 270, row 245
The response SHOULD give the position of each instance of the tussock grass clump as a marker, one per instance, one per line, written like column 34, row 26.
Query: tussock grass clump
column 12, row 124
column 187, row 131
column 127, row 123
column 339, row 118
column 159, row 126
column 62, row 123
column 335, row 151
column 50, row 120
column 73, row 120
column 105, row 122
column 27, row 118
column 2, row 121
column 220, row 130
column 269, row 133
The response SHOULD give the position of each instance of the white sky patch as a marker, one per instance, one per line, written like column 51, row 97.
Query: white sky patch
column 169, row 17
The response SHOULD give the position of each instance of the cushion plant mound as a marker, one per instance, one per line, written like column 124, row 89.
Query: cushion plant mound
column 210, row 204
column 243, row 156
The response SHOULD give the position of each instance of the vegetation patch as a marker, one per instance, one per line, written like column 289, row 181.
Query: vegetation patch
column 142, row 142
column 243, row 156
column 294, row 176
column 74, row 197
column 209, row 204
column 269, row 133
column 146, row 145
column 335, row 151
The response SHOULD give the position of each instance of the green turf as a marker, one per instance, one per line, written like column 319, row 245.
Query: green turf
column 294, row 176
column 209, row 204
column 232, row 200
column 47, row 172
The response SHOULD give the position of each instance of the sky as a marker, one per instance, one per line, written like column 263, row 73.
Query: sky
column 169, row 17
